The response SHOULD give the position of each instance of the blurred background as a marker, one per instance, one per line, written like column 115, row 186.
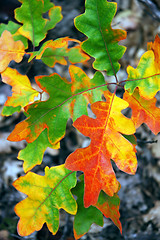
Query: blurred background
column 139, row 194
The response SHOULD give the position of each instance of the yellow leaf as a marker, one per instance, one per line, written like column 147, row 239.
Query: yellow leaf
column 23, row 93
column 10, row 50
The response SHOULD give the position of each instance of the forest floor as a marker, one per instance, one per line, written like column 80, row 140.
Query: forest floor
column 139, row 194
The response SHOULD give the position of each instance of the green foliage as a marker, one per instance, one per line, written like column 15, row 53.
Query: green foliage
column 102, row 42
column 36, row 149
column 35, row 27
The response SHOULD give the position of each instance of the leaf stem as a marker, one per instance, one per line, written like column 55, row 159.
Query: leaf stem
column 103, row 85
column 90, row 89
column 129, row 80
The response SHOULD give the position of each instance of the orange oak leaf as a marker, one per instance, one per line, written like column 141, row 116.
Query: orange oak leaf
column 106, row 143
column 23, row 93
column 10, row 50
column 144, row 111
column 109, row 206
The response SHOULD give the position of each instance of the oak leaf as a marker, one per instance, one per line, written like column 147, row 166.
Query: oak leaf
column 9, row 110
column 66, row 100
column 76, row 55
column 102, row 42
column 56, row 51
column 10, row 50
column 35, row 27
column 46, row 195
column 109, row 206
column 11, row 27
column 23, row 93
column 60, row 44
column 143, row 111
column 146, row 77
column 76, row 108
column 106, row 143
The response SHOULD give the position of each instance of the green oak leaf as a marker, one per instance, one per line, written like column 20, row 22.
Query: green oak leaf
column 67, row 99
column 34, row 26
column 102, row 42
column 32, row 155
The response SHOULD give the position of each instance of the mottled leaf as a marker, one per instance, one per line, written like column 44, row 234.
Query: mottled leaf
column 155, row 47
column 146, row 76
column 46, row 195
column 106, row 143
column 85, row 217
column 109, row 206
column 144, row 111
column 81, row 82
column 65, row 98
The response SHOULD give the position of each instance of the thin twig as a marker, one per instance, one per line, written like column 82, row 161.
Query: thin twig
column 16, row 236
column 146, row 142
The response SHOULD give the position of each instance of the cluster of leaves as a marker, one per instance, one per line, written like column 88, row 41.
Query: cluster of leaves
column 111, row 133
